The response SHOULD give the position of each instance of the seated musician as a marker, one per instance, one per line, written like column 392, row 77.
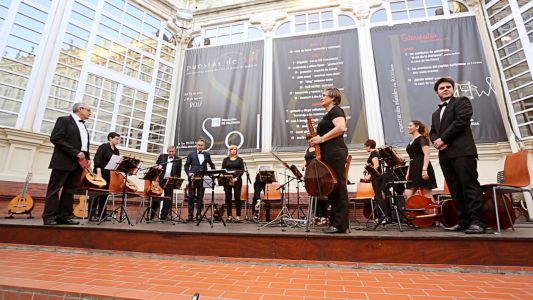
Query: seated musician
column 376, row 176
column 171, row 165
column 233, row 163
column 322, row 203
column 197, row 160
column 420, row 174
column 258, row 187
column 101, row 158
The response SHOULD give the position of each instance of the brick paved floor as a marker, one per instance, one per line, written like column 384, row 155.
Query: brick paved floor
column 46, row 273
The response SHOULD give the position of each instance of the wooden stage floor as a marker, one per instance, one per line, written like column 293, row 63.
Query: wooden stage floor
column 245, row 240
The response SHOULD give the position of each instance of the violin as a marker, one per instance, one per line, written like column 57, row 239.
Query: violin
column 319, row 179
column 23, row 203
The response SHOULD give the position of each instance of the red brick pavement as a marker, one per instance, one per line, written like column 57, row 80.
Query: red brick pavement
column 46, row 273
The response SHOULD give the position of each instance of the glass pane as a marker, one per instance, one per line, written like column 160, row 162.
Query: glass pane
column 433, row 2
column 513, row 59
column 327, row 24
column 526, row 91
column 398, row 5
column 522, row 2
column 284, row 28
column 312, row 17
column 519, row 81
column 300, row 19
column 254, row 33
column 224, row 30
column 399, row 15
column 300, row 27
column 327, row 15
column 417, row 13
column 510, row 48
column 515, row 70
column 527, row 15
column 500, row 15
column 378, row 16
column 345, row 20
column 314, row 26
column 415, row 4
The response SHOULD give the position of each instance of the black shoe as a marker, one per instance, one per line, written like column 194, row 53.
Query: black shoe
column 475, row 229
column 50, row 221
column 456, row 228
column 332, row 229
column 67, row 221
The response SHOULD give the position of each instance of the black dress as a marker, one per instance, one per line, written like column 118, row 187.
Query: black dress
column 334, row 153
column 414, row 149
column 234, row 165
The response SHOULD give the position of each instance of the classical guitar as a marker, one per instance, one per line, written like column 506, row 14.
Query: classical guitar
column 91, row 179
column 80, row 210
column 23, row 203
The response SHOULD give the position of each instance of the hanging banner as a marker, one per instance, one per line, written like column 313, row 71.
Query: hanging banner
column 220, row 99
column 409, row 59
column 303, row 66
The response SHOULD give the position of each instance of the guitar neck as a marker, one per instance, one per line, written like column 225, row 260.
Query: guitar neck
column 26, row 185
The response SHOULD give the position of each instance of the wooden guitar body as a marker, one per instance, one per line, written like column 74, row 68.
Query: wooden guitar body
column 80, row 210
column 23, row 203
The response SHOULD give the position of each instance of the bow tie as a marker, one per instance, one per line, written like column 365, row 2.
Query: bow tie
column 171, row 157
column 202, row 152
column 443, row 104
column 82, row 121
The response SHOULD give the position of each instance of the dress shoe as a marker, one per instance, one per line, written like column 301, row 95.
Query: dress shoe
column 332, row 229
column 475, row 229
column 50, row 221
column 456, row 228
column 67, row 221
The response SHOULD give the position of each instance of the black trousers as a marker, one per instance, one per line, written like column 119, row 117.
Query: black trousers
column 167, row 203
column 336, row 159
column 461, row 175
column 68, row 182
column 196, row 198
column 237, row 196
column 258, row 187
column 322, row 207
column 381, row 192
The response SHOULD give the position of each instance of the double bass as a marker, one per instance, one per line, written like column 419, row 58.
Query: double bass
column 319, row 179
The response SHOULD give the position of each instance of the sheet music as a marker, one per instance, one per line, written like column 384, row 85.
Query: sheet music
column 113, row 162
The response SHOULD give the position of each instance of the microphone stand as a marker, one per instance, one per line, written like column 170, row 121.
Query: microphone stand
column 247, row 191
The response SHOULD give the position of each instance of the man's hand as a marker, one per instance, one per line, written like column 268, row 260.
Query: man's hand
column 81, row 155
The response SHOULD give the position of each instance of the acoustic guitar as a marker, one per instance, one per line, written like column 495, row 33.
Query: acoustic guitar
column 91, row 179
column 23, row 203
column 81, row 210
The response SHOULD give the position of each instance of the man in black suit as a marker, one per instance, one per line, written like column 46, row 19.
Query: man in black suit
column 71, row 143
column 171, row 165
column 452, row 136
column 197, row 161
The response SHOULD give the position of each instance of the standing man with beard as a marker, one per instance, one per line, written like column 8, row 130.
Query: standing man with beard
column 71, row 144
column 452, row 136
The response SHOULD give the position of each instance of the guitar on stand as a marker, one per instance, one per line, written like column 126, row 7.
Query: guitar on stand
column 23, row 203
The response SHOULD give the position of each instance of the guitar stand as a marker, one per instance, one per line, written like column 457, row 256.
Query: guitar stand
column 298, row 208
column 12, row 215
column 211, row 207
column 121, row 210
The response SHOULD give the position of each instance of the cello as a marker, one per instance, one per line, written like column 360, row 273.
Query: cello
column 319, row 179
column 23, row 203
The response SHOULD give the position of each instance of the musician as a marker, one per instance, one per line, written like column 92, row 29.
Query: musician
column 378, row 180
column 71, row 143
column 452, row 136
column 101, row 158
column 330, row 132
column 233, row 163
column 171, row 165
column 197, row 161
column 420, row 174
column 258, row 187
column 322, row 203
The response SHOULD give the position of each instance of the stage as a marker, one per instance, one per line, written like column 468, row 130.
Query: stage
column 244, row 240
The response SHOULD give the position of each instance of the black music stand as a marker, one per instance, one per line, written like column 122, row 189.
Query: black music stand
column 298, row 177
column 175, row 183
column 212, row 206
column 128, row 166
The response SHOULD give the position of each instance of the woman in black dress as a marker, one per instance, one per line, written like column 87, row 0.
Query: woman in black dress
column 330, row 131
column 322, row 203
column 233, row 163
column 420, row 174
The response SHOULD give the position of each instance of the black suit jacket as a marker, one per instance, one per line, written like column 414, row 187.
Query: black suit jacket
column 454, row 128
column 67, row 144
column 176, row 167
column 192, row 165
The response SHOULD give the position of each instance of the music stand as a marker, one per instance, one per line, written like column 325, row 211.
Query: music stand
column 212, row 206
column 128, row 166
column 174, row 183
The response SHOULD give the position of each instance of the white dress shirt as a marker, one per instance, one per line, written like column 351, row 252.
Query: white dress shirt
column 84, row 134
